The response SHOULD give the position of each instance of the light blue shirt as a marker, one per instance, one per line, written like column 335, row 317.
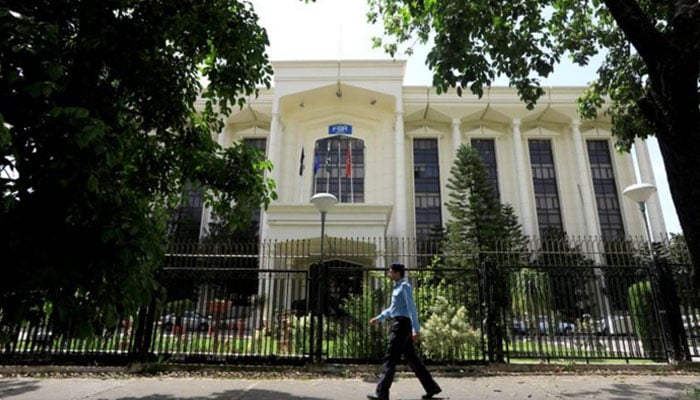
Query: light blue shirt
column 402, row 304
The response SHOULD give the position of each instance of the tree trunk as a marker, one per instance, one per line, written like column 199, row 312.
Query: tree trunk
column 682, row 159
column 674, row 95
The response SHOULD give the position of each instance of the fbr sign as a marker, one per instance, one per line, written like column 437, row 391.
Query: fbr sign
column 340, row 129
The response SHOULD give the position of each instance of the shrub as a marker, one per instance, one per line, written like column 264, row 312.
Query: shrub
column 360, row 339
column 447, row 335
column 645, row 319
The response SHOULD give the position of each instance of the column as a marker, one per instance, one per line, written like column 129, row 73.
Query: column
column 646, row 175
column 456, row 136
column 274, row 145
column 523, row 183
column 272, row 153
column 584, row 182
column 400, row 212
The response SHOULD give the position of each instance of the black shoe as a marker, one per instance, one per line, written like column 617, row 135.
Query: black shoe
column 431, row 393
column 375, row 396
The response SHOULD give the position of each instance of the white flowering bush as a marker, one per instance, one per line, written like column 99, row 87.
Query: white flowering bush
column 447, row 334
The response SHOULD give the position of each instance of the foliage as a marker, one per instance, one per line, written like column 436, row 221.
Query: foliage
column 447, row 334
column 301, row 328
column 473, row 206
column 530, row 292
column 480, row 223
column 477, row 41
column 178, row 306
column 556, row 250
column 625, row 252
column 431, row 282
column 677, row 250
column 647, row 82
column 99, row 135
column 644, row 318
column 633, row 257
column 483, row 227
column 564, row 261
column 586, row 334
column 361, row 339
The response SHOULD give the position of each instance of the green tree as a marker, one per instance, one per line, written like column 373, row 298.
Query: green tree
column 571, row 274
column 98, row 135
column 476, row 223
column 480, row 224
column 482, row 234
column 650, row 70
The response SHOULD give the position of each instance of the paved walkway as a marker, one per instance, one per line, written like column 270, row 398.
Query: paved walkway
column 617, row 387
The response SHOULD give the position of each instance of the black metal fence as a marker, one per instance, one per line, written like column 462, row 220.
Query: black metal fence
column 572, row 299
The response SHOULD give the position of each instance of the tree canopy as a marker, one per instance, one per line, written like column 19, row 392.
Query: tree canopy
column 103, row 121
column 649, row 74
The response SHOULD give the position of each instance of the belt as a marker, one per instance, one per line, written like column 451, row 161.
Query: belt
column 401, row 319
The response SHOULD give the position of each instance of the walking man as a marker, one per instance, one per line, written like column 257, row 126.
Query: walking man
column 405, row 329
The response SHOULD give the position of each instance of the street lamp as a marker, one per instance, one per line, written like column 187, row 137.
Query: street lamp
column 641, row 192
column 323, row 202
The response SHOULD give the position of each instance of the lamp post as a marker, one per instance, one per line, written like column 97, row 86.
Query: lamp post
column 641, row 192
column 323, row 202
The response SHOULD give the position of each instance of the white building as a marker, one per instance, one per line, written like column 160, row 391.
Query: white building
column 553, row 168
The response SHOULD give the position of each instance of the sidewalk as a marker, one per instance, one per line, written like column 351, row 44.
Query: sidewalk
column 534, row 387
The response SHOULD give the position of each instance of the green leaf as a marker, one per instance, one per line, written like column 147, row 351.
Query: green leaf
column 93, row 183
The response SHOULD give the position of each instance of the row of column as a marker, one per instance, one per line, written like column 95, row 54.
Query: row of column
column 525, row 205
column 583, row 174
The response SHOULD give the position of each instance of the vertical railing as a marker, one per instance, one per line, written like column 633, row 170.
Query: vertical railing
column 574, row 299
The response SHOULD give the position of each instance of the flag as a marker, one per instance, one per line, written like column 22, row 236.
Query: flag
column 348, row 161
column 301, row 162
column 328, row 158
column 317, row 161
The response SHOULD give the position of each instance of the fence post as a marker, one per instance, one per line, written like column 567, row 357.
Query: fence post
column 141, row 346
column 659, row 315
column 671, row 306
column 317, row 295
column 496, row 300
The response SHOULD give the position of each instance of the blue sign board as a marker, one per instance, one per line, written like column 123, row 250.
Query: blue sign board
column 340, row 129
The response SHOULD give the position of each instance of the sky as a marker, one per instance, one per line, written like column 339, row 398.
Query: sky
column 338, row 29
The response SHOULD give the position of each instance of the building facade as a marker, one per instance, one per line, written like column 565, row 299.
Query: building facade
column 351, row 128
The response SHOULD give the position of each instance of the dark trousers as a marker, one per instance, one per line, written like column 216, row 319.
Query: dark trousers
column 401, row 343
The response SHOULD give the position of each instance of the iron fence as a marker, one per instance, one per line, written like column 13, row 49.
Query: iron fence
column 569, row 299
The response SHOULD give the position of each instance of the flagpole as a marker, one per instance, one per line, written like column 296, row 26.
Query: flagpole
column 301, row 174
column 352, row 172
column 315, row 167
column 340, row 179
column 328, row 166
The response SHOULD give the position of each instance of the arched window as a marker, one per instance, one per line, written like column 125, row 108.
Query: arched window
column 339, row 168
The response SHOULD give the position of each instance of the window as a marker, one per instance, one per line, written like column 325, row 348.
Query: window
column 605, row 189
column 260, row 144
column 487, row 151
column 544, row 183
column 186, row 222
column 426, row 178
column 339, row 168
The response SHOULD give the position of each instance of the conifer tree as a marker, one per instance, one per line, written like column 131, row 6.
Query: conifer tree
column 480, row 224
column 481, row 227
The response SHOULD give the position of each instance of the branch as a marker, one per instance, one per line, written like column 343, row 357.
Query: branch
column 686, row 23
column 639, row 29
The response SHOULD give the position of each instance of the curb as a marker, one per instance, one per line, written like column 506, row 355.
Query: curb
column 338, row 370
